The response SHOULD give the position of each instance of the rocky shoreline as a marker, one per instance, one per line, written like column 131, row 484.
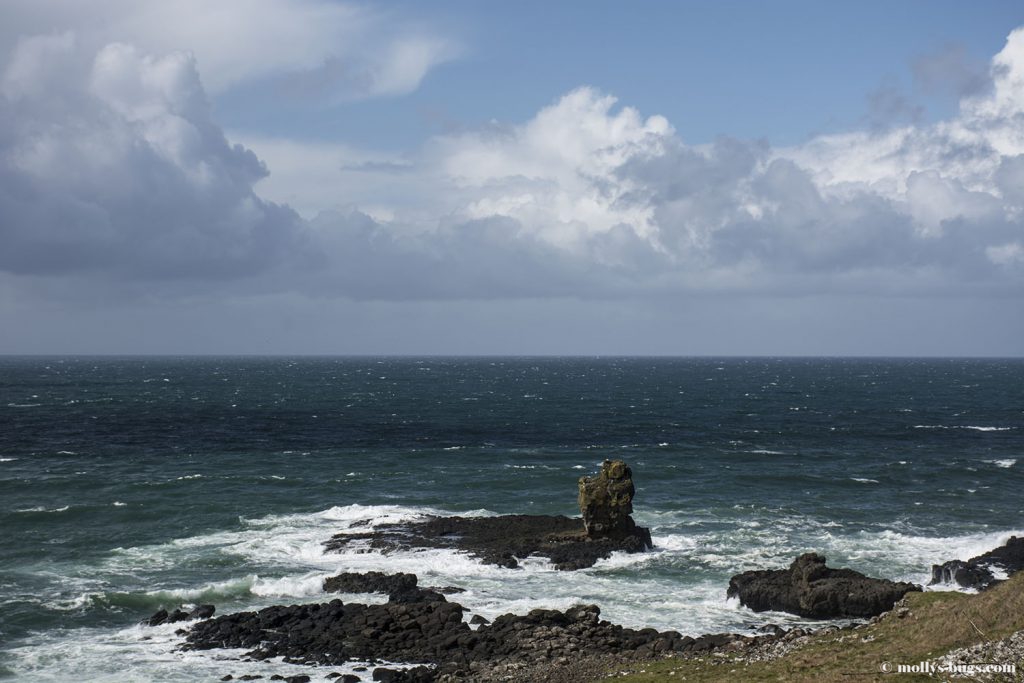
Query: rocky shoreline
column 979, row 572
column 422, row 628
column 436, row 633
column 439, row 640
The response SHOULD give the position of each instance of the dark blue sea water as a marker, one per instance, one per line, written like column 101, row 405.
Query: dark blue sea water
column 130, row 484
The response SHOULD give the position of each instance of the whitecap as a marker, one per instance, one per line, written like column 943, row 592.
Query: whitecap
column 189, row 476
column 7, row 459
column 764, row 451
column 1005, row 464
column 303, row 585
column 864, row 480
column 43, row 509
column 971, row 427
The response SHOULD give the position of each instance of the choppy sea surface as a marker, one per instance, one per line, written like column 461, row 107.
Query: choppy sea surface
column 128, row 484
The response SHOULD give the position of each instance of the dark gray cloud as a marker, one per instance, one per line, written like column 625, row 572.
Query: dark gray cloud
column 120, row 170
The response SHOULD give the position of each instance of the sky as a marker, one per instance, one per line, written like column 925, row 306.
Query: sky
column 474, row 178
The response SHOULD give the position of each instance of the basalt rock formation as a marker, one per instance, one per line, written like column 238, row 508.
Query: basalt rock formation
column 606, row 501
column 163, row 617
column 370, row 582
column 808, row 588
column 977, row 572
column 434, row 633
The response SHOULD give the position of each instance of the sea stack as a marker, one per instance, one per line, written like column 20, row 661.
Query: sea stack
column 606, row 503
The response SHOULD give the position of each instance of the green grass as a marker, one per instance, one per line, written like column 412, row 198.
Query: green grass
column 937, row 623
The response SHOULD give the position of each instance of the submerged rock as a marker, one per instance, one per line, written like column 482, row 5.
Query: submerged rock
column 808, row 588
column 977, row 572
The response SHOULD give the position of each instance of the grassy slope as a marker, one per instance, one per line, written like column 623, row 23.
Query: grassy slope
column 938, row 622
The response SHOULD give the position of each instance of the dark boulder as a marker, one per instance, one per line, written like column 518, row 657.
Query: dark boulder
column 419, row 674
column 413, row 595
column 159, row 617
column 977, row 572
column 163, row 617
column 176, row 616
column 369, row 582
column 963, row 574
column 810, row 589
column 202, row 612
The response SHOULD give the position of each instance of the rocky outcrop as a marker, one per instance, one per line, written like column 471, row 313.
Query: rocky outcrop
column 435, row 633
column 500, row 541
column 977, row 572
column 369, row 582
column 808, row 588
column 568, row 542
column 162, row 616
column 606, row 503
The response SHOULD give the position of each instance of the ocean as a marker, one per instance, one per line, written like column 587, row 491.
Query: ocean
column 130, row 484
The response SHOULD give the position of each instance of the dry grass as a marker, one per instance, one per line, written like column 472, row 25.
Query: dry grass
column 937, row 623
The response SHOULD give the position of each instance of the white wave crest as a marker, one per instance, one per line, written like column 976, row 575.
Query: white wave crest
column 1006, row 464
column 971, row 427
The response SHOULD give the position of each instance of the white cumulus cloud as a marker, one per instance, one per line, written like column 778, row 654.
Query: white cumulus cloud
column 336, row 49
column 112, row 162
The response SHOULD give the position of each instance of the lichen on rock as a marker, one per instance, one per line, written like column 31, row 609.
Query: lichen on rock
column 606, row 503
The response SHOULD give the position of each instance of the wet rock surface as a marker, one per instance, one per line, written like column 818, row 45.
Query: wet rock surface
column 809, row 588
column 369, row 582
column 977, row 572
column 435, row 633
column 606, row 503
column 500, row 541
column 570, row 543
column 162, row 616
